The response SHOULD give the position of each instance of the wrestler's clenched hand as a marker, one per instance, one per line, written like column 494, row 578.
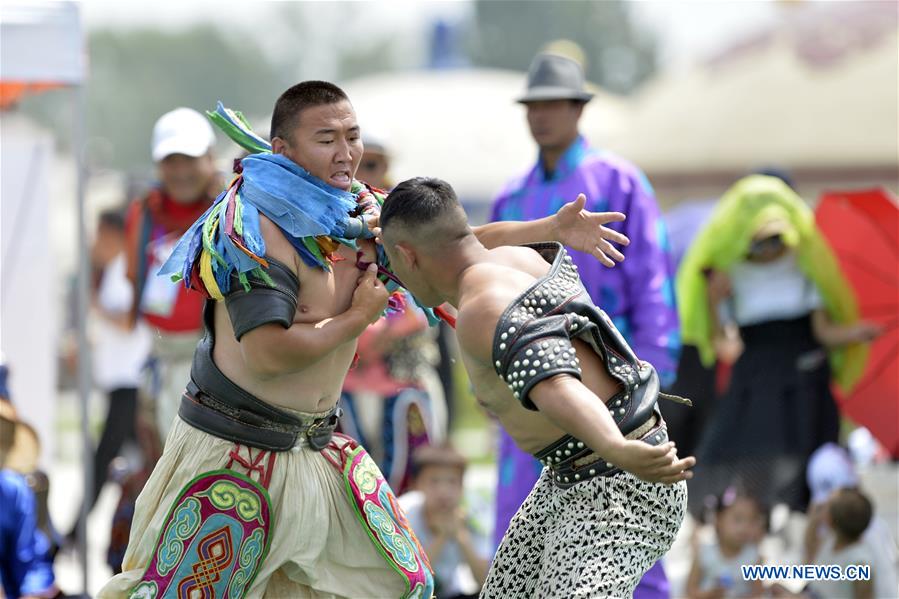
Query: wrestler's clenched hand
column 655, row 464
column 371, row 295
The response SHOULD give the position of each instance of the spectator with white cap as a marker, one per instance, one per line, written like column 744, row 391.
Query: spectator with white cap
column 181, row 147
column 374, row 168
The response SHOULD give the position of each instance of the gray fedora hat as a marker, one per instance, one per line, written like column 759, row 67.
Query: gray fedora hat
column 554, row 77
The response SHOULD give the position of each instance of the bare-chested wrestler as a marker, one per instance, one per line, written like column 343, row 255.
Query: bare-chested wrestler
column 253, row 495
column 563, row 382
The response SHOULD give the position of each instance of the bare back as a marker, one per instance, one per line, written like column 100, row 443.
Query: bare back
column 323, row 294
column 486, row 289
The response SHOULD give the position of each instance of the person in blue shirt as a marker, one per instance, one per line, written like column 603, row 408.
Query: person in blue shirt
column 26, row 568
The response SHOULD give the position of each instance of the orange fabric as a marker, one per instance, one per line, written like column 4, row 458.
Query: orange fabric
column 12, row 91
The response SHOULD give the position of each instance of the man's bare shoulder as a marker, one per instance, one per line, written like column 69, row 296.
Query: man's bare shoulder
column 476, row 321
column 491, row 287
column 517, row 253
column 276, row 244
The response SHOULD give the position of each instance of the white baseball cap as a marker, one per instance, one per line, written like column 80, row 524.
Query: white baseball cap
column 829, row 468
column 375, row 142
column 182, row 131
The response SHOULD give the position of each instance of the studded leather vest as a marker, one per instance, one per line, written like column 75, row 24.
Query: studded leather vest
column 533, row 341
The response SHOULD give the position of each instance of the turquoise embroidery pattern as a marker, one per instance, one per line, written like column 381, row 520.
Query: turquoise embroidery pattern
column 183, row 525
column 249, row 554
column 390, row 537
column 214, row 542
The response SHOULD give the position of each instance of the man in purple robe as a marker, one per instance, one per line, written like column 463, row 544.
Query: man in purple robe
column 637, row 294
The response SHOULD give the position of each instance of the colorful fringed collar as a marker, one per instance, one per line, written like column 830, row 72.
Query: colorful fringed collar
column 227, row 239
column 313, row 216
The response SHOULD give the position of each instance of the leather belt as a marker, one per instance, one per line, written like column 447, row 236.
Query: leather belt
column 570, row 460
column 216, row 417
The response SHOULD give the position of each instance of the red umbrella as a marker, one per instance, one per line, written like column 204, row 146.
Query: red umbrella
column 862, row 227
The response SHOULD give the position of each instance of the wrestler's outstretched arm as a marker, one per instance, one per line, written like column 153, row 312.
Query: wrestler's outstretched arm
column 271, row 350
column 565, row 400
column 572, row 226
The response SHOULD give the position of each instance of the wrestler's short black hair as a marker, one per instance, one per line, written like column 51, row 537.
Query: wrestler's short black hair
column 303, row 95
column 418, row 201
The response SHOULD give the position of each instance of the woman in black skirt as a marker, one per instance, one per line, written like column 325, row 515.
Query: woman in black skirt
column 778, row 407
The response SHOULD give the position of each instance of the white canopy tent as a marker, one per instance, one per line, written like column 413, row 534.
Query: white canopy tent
column 42, row 42
column 41, row 45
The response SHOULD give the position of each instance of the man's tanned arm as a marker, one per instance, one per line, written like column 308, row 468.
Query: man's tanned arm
column 271, row 350
column 571, row 406
column 578, row 411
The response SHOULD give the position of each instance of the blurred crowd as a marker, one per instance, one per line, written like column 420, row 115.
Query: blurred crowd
column 753, row 321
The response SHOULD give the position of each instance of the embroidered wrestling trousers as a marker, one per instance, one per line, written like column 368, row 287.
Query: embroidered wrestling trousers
column 314, row 545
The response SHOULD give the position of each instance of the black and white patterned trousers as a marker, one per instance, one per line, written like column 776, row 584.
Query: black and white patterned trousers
column 595, row 539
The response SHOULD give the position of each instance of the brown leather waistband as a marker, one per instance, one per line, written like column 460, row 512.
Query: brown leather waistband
column 217, row 417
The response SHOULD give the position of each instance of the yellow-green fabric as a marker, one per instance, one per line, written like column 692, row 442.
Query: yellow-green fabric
column 744, row 209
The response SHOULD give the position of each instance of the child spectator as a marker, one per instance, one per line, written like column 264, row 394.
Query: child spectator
column 847, row 514
column 831, row 469
column 716, row 571
column 457, row 549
